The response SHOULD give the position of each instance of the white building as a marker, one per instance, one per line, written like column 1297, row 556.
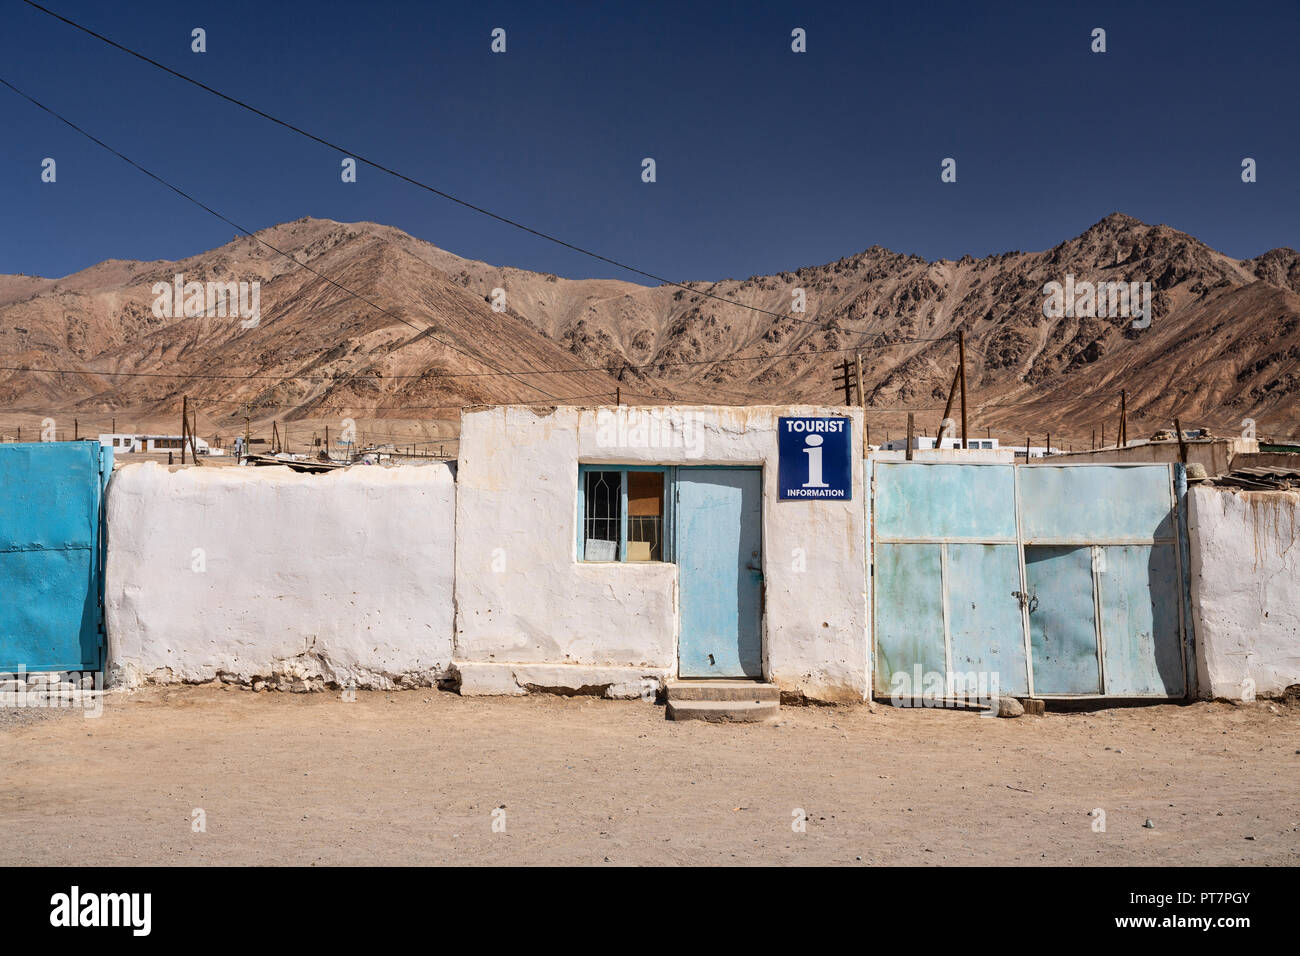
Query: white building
column 926, row 443
column 126, row 443
column 625, row 546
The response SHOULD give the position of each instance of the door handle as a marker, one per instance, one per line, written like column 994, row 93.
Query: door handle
column 1029, row 600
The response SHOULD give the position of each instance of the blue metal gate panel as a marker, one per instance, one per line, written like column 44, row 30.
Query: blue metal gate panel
column 940, row 501
column 1062, row 620
column 1139, row 596
column 985, row 629
column 719, row 558
column 51, row 555
column 1068, row 504
column 910, row 644
column 1081, row 564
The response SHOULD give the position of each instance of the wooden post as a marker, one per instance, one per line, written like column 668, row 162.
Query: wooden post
column 1094, row 439
column 1048, row 449
column 952, row 393
column 1122, row 441
column 185, row 424
column 1103, row 434
column 1182, row 444
column 844, row 381
column 961, row 367
column 1026, row 449
column 76, row 430
column 909, row 436
column 618, row 395
column 193, row 433
column 862, row 397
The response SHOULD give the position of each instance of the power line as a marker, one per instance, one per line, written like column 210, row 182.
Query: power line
column 382, row 407
column 428, row 331
column 424, row 331
column 609, row 369
column 403, row 177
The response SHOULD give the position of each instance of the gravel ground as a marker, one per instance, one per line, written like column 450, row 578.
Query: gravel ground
column 420, row 777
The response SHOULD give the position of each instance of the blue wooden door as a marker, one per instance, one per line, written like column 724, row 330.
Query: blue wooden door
column 719, row 549
column 51, row 555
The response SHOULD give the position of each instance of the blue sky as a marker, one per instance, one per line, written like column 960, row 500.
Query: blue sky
column 766, row 159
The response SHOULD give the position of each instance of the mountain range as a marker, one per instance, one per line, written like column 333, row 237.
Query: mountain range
column 369, row 323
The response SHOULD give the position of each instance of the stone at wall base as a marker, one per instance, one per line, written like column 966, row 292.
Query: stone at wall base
column 490, row 679
column 1009, row 707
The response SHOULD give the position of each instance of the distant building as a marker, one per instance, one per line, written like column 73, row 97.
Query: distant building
column 1216, row 455
column 926, row 443
column 1037, row 451
column 125, row 443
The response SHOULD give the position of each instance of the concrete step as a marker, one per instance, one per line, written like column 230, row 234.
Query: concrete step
column 718, row 690
column 724, row 711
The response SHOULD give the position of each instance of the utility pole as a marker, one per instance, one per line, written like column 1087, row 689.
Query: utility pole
column 909, row 436
column 1182, row 444
column 76, row 430
column 185, row 423
column 862, row 396
column 194, row 436
column 961, row 367
column 845, row 381
column 947, row 408
column 1123, row 420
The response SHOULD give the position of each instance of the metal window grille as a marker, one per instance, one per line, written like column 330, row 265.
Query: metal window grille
column 603, row 519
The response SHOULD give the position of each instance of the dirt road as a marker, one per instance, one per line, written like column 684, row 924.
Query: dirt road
column 414, row 777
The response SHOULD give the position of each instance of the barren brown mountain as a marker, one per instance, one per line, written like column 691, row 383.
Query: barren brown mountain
column 1223, row 344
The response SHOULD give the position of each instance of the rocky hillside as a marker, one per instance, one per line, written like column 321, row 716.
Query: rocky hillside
column 1223, row 343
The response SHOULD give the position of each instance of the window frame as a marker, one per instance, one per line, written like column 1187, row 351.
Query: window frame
column 670, row 483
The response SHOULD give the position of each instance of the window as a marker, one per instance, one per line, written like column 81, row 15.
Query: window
column 622, row 514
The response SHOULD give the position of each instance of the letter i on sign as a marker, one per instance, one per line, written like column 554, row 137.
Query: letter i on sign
column 814, row 453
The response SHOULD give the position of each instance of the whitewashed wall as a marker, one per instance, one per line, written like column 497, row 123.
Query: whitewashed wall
column 1245, row 590
column 263, row 573
column 529, row 614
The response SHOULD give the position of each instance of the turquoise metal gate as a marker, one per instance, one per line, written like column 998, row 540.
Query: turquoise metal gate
column 52, row 555
column 1038, row 580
